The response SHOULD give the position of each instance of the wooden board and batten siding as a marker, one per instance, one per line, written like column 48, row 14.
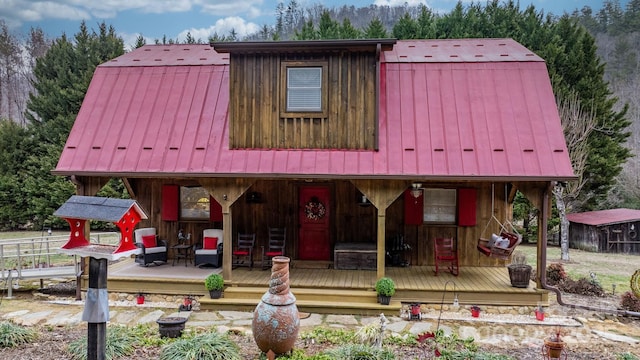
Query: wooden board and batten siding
column 258, row 117
column 350, row 220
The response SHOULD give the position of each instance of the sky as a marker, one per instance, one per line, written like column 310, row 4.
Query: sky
column 154, row 19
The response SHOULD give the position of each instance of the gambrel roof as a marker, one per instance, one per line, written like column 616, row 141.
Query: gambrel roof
column 449, row 109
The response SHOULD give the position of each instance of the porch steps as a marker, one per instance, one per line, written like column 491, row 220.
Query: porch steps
column 356, row 302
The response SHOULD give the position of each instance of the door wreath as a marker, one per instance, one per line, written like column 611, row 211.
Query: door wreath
column 314, row 210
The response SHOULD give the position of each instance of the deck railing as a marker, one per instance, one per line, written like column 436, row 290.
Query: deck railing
column 27, row 254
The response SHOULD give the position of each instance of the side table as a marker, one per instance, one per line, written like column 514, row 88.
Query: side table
column 181, row 251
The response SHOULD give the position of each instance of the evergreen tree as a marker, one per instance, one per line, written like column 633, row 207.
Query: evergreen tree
column 375, row 30
column 328, row 28
column 13, row 153
column 62, row 77
column 348, row 31
column 406, row 28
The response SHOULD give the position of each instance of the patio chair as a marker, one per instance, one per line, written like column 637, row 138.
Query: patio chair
column 446, row 253
column 275, row 246
column 243, row 252
column 210, row 251
column 152, row 250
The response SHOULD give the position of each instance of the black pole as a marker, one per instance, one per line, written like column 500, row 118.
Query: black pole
column 96, row 313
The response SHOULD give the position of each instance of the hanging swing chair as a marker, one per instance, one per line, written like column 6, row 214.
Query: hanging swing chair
column 499, row 246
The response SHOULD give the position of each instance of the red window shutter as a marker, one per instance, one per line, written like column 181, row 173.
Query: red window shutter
column 215, row 210
column 467, row 207
column 413, row 209
column 170, row 202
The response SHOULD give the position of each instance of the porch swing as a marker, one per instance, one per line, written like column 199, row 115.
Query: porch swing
column 499, row 246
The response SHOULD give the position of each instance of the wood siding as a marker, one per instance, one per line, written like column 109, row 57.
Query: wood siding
column 258, row 119
column 351, row 222
column 613, row 238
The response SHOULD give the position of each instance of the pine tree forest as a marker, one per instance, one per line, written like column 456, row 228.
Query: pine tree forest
column 592, row 57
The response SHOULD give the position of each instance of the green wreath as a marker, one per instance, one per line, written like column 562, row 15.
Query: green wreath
column 314, row 210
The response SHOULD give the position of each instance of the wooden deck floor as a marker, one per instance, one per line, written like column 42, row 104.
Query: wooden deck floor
column 474, row 285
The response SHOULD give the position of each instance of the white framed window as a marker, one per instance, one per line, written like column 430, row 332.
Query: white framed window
column 194, row 203
column 304, row 89
column 440, row 206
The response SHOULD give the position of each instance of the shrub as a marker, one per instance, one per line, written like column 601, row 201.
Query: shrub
column 385, row 287
column 12, row 335
column 556, row 274
column 630, row 302
column 581, row 286
column 120, row 342
column 360, row 352
column 204, row 346
column 214, row 282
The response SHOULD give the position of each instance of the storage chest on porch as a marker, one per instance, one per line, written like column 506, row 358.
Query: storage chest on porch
column 355, row 256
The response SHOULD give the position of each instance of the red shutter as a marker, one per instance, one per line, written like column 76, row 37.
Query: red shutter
column 467, row 207
column 413, row 208
column 170, row 202
column 215, row 210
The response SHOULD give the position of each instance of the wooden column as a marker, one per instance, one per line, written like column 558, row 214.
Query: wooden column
column 382, row 217
column 381, row 193
column 226, row 192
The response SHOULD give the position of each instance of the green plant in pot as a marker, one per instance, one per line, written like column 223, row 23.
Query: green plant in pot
column 215, row 284
column 385, row 288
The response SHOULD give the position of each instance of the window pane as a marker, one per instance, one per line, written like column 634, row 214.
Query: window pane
column 194, row 203
column 304, row 89
column 440, row 205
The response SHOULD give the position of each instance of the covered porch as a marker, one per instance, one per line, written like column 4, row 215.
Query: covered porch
column 322, row 289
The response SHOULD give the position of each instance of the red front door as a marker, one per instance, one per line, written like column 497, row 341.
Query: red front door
column 314, row 215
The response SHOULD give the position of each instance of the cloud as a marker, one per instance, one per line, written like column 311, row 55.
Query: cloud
column 16, row 12
column 222, row 27
column 394, row 3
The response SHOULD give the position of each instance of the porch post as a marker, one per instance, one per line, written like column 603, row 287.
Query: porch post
column 227, row 241
column 541, row 263
column 382, row 217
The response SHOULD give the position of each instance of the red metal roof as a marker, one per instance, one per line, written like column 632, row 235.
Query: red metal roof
column 162, row 110
column 605, row 217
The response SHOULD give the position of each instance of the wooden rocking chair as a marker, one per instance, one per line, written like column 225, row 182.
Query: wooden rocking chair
column 446, row 253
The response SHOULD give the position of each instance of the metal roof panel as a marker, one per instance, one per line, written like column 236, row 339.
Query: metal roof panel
column 605, row 217
column 452, row 119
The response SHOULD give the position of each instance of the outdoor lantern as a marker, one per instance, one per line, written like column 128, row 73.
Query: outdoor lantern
column 416, row 190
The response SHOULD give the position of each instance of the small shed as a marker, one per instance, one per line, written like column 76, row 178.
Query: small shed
column 612, row 231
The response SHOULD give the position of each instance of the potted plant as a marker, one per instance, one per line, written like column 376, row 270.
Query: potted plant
column 475, row 311
column 539, row 311
column 385, row 288
column 519, row 270
column 554, row 344
column 215, row 284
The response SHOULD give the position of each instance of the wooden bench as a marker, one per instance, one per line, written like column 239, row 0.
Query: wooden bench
column 355, row 256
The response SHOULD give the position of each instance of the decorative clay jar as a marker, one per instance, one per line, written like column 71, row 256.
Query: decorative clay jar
column 276, row 320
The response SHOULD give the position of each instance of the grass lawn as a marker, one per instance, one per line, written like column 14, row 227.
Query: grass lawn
column 609, row 269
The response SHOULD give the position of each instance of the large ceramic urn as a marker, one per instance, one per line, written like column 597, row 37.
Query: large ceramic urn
column 276, row 321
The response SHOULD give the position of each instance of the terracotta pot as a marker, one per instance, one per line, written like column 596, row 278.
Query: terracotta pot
column 554, row 348
column 275, row 320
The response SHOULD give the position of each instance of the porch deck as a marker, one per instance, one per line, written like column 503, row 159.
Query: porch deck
column 474, row 285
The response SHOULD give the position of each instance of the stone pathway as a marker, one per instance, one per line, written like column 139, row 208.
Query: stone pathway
column 488, row 328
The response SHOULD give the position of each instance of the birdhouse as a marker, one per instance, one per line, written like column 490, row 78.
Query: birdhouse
column 124, row 213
